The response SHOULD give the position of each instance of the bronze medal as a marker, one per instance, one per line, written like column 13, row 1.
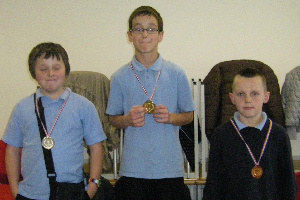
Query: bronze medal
column 149, row 105
column 257, row 172
column 48, row 142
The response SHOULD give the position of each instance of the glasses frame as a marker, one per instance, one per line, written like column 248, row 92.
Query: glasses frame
column 142, row 30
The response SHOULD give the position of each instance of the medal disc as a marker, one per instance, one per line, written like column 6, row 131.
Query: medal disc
column 149, row 105
column 257, row 171
column 48, row 142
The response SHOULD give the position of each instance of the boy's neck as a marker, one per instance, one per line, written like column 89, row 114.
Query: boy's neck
column 53, row 95
column 147, row 59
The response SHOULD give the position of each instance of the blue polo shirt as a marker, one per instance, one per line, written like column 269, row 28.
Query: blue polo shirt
column 79, row 120
column 152, row 151
column 240, row 125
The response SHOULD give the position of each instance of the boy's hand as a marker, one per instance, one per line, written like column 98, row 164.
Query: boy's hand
column 161, row 114
column 136, row 116
column 92, row 189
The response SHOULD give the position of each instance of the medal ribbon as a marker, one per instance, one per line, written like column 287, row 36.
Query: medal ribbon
column 139, row 80
column 264, row 146
column 54, row 123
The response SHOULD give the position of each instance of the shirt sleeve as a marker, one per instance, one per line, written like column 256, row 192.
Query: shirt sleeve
column 13, row 134
column 115, row 101
column 185, row 99
column 286, row 176
column 93, row 132
column 215, row 185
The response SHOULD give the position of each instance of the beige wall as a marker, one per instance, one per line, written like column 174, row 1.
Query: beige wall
column 198, row 35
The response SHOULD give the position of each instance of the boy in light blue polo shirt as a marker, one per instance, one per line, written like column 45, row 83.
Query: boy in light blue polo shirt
column 150, row 98
column 69, row 119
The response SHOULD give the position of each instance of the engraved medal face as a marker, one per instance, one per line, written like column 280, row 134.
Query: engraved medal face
column 48, row 142
column 149, row 105
column 257, row 171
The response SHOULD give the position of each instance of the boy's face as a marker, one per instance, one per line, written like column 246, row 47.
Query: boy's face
column 145, row 43
column 50, row 74
column 249, row 96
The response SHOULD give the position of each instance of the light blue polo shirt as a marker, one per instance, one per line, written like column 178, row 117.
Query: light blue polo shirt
column 240, row 125
column 79, row 120
column 152, row 151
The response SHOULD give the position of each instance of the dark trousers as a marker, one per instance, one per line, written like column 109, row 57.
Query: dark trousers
column 66, row 191
column 127, row 188
column 20, row 197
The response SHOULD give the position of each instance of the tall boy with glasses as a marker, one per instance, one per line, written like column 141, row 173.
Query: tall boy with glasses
column 150, row 98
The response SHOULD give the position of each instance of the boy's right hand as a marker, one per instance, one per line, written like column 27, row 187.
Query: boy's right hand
column 136, row 116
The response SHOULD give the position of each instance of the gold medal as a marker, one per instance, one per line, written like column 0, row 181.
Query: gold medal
column 149, row 105
column 257, row 171
column 48, row 142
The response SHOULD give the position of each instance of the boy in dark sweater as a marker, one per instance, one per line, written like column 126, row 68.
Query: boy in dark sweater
column 250, row 156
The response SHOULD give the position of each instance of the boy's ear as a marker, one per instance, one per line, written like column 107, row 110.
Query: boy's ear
column 267, row 97
column 129, row 34
column 232, row 98
column 161, row 36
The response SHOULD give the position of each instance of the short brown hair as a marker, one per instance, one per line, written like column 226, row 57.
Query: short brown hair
column 146, row 10
column 250, row 73
column 48, row 49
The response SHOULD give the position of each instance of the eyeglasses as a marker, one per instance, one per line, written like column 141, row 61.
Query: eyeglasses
column 141, row 30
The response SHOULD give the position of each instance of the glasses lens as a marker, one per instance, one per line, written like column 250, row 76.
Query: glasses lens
column 151, row 30
column 138, row 30
column 141, row 30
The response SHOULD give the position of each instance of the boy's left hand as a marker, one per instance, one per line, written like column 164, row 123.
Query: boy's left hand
column 92, row 189
column 161, row 114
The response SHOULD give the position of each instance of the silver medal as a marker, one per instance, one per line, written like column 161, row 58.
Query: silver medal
column 48, row 142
